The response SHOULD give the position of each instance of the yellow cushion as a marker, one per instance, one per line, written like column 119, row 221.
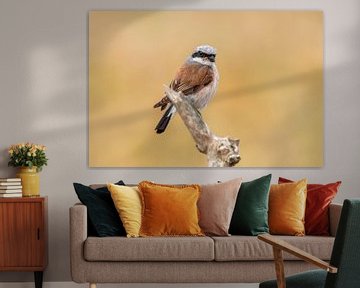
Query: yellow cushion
column 287, row 204
column 127, row 201
column 169, row 210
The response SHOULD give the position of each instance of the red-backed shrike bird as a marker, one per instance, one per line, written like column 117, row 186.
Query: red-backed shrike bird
column 197, row 79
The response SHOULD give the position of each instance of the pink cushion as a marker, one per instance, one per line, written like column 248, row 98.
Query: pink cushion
column 216, row 205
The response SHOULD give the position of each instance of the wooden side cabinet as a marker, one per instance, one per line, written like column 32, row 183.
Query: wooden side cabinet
column 23, row 235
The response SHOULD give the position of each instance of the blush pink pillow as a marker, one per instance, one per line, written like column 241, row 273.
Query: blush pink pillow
column 216, row 206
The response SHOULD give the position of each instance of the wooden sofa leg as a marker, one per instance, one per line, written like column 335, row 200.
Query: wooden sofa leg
column 92, row 285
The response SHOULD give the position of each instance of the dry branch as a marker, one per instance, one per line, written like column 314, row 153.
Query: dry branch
column 220, row 151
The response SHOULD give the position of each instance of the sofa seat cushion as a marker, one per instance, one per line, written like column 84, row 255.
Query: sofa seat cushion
column 149, row 249
column 243, row 248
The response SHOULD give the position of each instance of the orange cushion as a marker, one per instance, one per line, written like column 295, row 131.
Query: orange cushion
column 287, row 204
column 318, row 199
column 169, row 210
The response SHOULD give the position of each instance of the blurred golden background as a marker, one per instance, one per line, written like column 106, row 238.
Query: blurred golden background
column 270, row 93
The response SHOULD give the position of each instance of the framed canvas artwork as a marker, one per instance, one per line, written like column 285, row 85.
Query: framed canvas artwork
column 256, row 76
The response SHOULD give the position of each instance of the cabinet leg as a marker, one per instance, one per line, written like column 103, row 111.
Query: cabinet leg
column 38, row 279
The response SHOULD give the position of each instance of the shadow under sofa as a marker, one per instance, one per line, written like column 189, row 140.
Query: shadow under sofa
column 233, row 259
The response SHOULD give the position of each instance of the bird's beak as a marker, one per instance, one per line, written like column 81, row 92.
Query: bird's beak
column 212, row 58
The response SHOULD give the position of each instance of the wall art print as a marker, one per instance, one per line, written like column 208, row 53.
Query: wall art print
column 256, row 76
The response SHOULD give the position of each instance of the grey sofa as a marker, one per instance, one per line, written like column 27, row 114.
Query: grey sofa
column 234, row 259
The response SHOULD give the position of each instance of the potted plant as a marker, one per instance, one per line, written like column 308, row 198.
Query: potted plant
column 30, row 158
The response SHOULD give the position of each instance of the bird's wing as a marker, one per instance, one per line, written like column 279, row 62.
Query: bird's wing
column 162, row 103
column 192, row 77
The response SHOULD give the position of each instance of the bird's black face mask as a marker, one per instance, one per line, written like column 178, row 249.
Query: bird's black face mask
column 200, row 54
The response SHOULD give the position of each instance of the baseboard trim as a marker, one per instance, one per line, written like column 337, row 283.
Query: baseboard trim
column 74, row 285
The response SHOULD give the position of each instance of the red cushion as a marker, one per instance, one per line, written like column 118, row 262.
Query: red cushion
column 319, row 197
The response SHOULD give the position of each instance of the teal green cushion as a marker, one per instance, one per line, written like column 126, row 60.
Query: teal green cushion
column 250, row 216
column 309, row 279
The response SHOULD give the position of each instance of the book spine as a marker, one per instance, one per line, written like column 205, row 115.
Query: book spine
column 10, row 179
column 10, row 191
column 10, row 183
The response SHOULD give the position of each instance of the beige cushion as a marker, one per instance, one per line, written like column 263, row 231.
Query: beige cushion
column 149, row 249
column 242, row 248
column 216, row 206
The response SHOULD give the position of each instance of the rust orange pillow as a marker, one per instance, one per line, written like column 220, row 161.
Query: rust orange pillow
column 319, row 197
column 287, row 204
column 169, row 210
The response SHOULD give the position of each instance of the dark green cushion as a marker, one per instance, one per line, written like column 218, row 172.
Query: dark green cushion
column 250, row 216
column 102, row 215
column 309, row 279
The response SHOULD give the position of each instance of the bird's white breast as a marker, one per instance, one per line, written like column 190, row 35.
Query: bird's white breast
column 202, row 98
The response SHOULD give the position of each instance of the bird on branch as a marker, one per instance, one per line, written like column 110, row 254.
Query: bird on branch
column 197, row 79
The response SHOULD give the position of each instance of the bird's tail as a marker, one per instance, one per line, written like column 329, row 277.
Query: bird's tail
column 165, row 119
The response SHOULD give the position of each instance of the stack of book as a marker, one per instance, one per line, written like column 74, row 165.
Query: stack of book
column 10, row 187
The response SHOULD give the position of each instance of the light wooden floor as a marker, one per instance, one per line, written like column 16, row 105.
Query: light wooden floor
column 74, row 285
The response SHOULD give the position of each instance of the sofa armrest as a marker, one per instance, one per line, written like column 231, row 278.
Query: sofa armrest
column 334, row 217
column 78, row 235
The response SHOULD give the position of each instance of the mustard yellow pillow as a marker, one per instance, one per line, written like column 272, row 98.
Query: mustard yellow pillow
column 169, row 210
column 127, row 201
column 287, row 204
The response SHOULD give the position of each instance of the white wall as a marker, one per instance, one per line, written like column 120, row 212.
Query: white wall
column 43, row 90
